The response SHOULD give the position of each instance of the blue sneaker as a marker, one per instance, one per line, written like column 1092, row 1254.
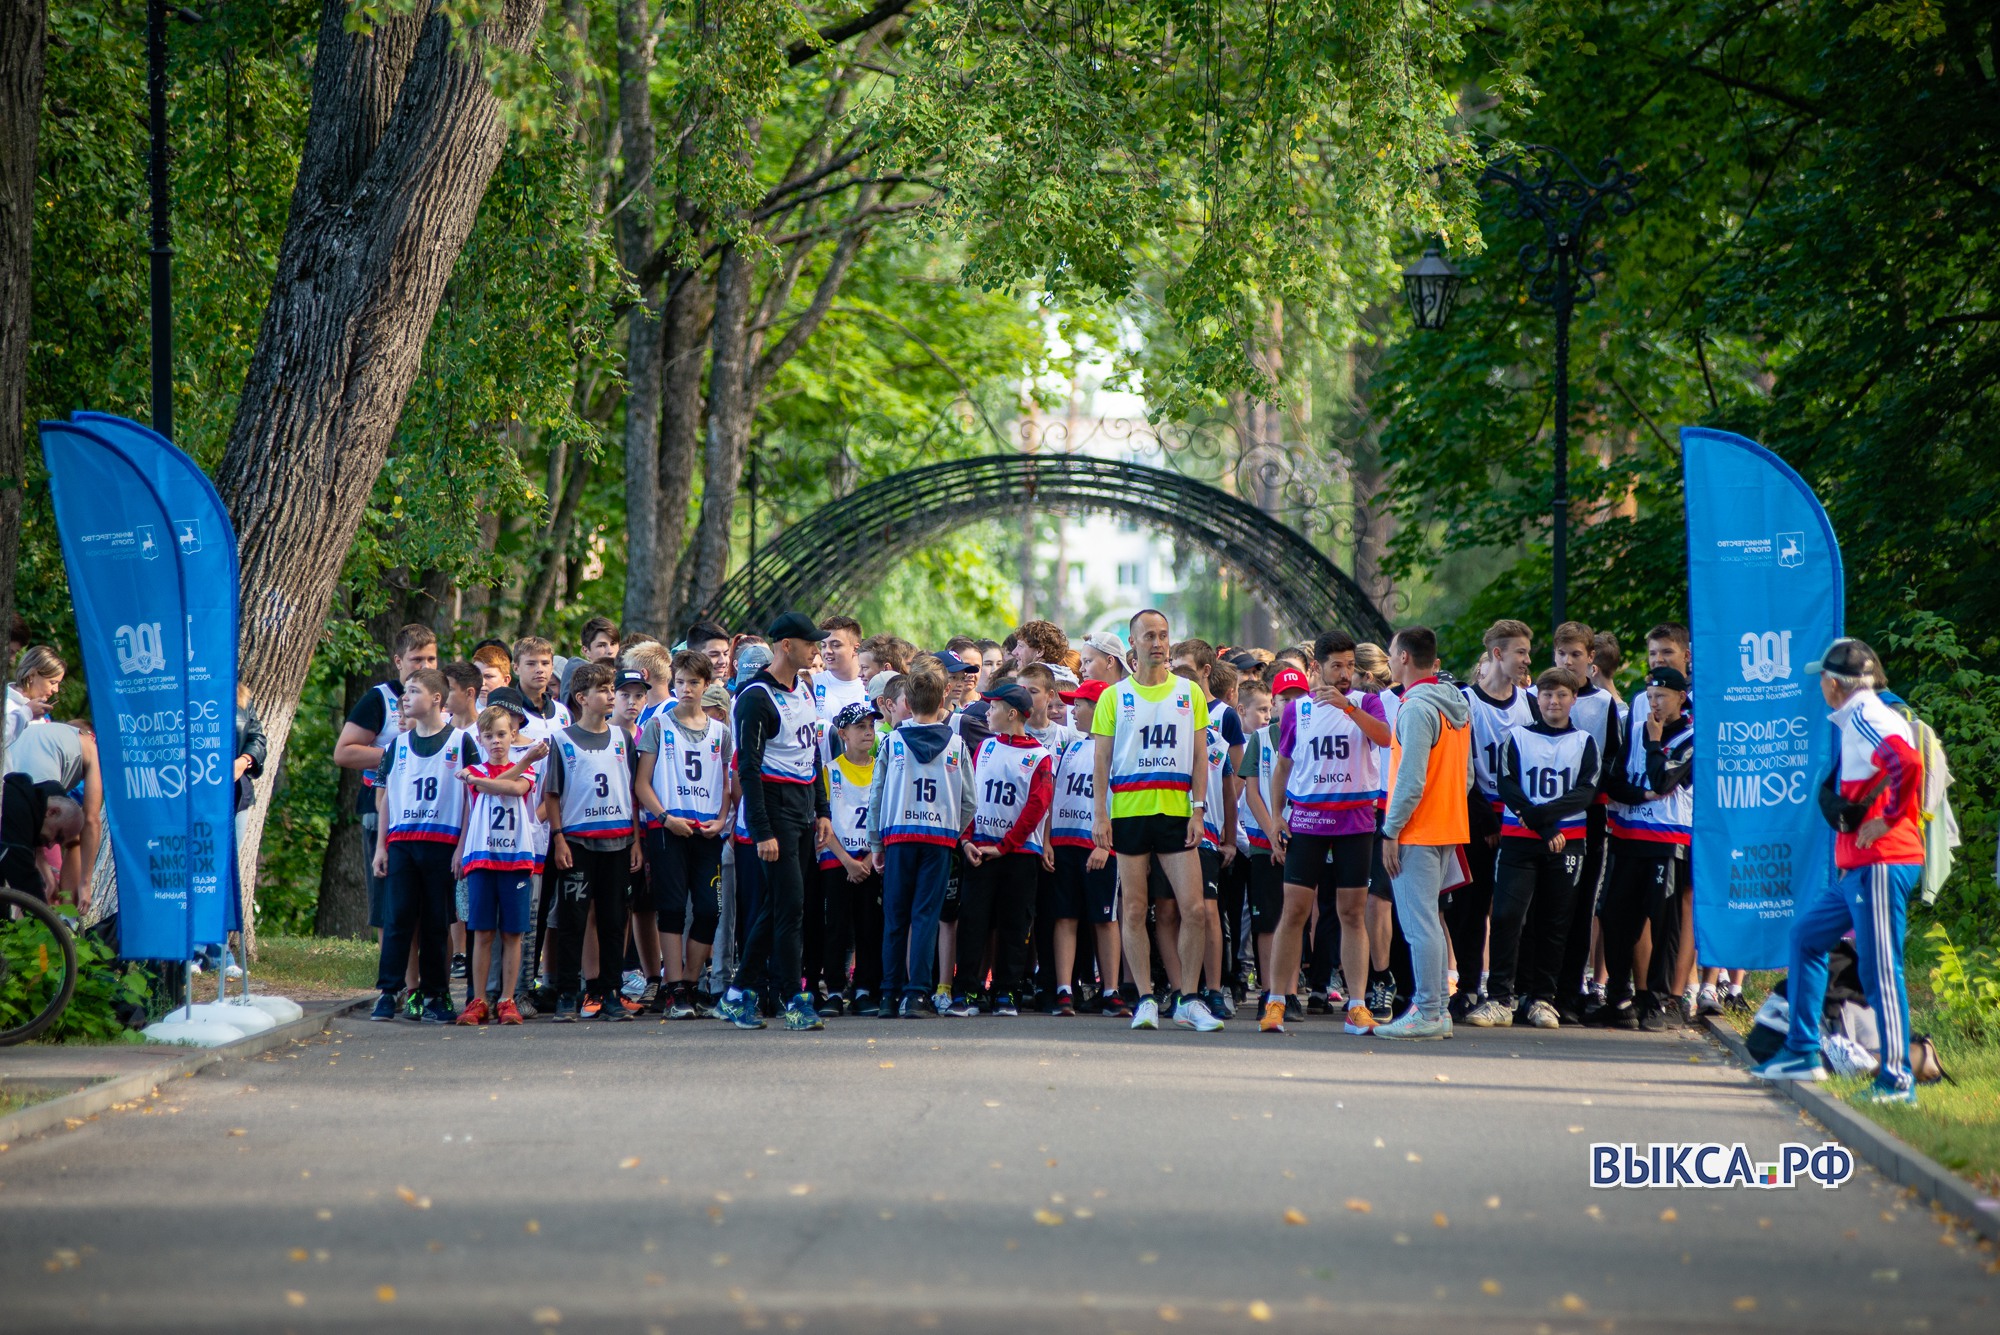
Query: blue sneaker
column 1004, row 1005
column 801, row 1015
column 437, row 1011
column 741, row 1012
column 1784, row 1064
column 1892, row 1094
column 385, row 1007
column 961, row 1007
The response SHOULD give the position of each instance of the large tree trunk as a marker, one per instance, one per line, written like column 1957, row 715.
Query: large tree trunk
column 645, row 580
column 403, row 137
column 729, row 414
column 343, row 890
column 683, row 348
column 23, row 42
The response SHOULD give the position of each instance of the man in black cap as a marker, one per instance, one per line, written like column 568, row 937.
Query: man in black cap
column 785, row 808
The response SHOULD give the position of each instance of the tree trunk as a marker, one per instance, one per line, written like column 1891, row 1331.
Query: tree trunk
column 23, row 43
column 729, row 413
column 343, row 891
column 683, row 344
column 402, row 139
column 645, row 556
column 543, row 590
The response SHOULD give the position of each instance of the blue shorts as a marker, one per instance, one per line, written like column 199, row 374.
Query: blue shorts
column 497, row 900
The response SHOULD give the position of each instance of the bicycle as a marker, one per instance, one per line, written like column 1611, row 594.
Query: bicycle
column 14, row 902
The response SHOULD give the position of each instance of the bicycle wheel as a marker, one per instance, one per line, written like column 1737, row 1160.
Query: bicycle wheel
column 34, row 982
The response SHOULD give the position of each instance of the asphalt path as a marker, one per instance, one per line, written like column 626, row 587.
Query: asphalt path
column 970, row 1176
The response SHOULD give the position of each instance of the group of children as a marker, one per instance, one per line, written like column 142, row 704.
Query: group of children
column 866, row 829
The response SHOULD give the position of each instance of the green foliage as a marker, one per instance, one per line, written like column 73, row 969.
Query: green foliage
column 1965, row 984
column 301, row 812
column 34, row 973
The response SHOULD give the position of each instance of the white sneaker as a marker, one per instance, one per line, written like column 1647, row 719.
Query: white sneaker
column 1490, row 1015
column 1707, row 1002
column 1412, row 1024
column 1193, row 1013
column 1543, row 1016
column 1146, row 1015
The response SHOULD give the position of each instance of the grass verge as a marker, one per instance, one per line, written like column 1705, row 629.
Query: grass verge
column 305, row 968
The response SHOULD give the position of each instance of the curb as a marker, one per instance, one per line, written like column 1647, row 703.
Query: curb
column 85, row 1103
column 1888, row 1155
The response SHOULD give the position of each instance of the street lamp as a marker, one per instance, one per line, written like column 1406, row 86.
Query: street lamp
column 1538, row 183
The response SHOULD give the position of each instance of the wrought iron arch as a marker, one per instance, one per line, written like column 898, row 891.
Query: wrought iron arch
column 825, row 561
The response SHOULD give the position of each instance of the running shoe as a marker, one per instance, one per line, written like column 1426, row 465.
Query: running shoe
column 680, row 1004
column 1146, row 1015
column 1490, row 1015
column 801, row 1015
column 1295, row 1010
column 438, row 1011
column 1116, row 1007
column 1193, row 1013
column 385, row 1007
column 632, row 1008
column 1690, row 1005
column 742, row 1012
column 1892, row 1094
column 1065, row 1005
column 1708, row 1001
column 507, row 1013
column 615, row 1007
column 1624, row 1016
column 567, row 1009
column 1734, row 1004
column 961, row 1008
column 458, row 966
column 1412, row 1024
column 833, row 1003
column 1382, row 997
column 940, row 999
column 1273, row 1021
column 633, row 984
column 475, row 1012
column 662, row 997
column 413, row 1005
column 1336, row 993
column 1004, row 1005
column 1652, row 1017
column 919, row 1008
column 591, row 1005
column 1461, row 1004
column 1315, row 1003
column 1784, row 1064
column 1219, row 1004
column 1542, row 1015
column 863, row 1003
column 1360, row 1020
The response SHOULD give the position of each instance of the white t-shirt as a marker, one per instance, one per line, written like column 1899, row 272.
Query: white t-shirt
column 831, row 694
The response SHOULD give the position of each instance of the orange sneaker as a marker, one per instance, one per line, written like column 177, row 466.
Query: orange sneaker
column 475, row 1014
column 1273, row 1021
column 1360, row 1020
column 631, row 1007
column 508, row 1013
column 591, row 1007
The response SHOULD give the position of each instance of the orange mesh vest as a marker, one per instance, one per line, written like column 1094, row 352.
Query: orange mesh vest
column 1440, row 817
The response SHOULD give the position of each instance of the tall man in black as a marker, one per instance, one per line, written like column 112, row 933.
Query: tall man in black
column 785, row 809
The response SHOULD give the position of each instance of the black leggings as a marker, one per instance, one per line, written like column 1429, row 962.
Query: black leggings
column 772, row 950
column 1465, row 913
column 1532, row 894
column 998, row 894
column 598, row 879
column 839, row 916
column 422, row 904
column 1642, row 890
column 685, row 872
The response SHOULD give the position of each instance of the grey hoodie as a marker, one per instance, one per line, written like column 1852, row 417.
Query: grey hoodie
column 926, row 741
column 1418, row 726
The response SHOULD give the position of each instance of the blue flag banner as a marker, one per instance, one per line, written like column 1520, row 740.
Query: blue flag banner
column 1764, row 598
column 160, row 651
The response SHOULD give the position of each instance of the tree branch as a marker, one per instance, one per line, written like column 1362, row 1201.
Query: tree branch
column 835, row 33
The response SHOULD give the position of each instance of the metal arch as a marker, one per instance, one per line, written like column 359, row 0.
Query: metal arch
column 850, row 545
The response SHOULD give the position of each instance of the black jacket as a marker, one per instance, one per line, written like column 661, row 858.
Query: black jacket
column 249, row 742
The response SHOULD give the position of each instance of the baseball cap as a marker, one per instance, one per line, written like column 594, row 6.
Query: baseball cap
column 1848, row 657
column 856, row 713
column 1014, row 695
column 1667, row 677
column 879, row 683
column 750, row 659
column 1106, row 643
column 630, row 677
column 1085, row 690
column 715, row 697
column 951, row 662
column 1063, row 676
column 1291, row 679
column 793, row 626
column 509, row 699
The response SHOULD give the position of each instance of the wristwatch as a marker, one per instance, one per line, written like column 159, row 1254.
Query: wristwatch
column 1202, row 805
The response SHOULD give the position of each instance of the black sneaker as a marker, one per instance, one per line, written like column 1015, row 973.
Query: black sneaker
column 1316, row 1004
column 1461, row 1004
column 1115, row 1006
column 918, row 1008
column 385, row 1007
column 569, row 1009
column 863, row 1003
column 1004, row 1005
column 1064, row 1005
column 458, row 966
column 833, row 1003
column 1218, row 1004
column 543, row 997
column 1624, row 1017
column 610, row 1009
column 663, row 996
column 1295, row 1011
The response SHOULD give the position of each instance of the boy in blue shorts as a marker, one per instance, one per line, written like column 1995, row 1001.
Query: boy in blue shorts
column 496, row 856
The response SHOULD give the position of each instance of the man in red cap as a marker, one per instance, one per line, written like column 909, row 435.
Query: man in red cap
column 1086, row 882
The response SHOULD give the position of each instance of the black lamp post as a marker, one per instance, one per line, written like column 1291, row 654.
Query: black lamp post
column 1542, row 184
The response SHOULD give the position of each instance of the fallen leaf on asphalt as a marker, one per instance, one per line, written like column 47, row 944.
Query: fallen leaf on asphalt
column 1668, row 1215
column 546, row 1316
column 1013, row 1245
column 992, row 1103
column 1147, row 1258
column 385, row 1293
column 63, row 1258
column 1886, row 1276
column 534, row 1226
column 434, row 1246
column 801, row 1189
column 405, row 1195
column 1948, row 1240
column 1260, row 1310
column 1440, row 1220
column 1359, row 1206
column 238, row 1131
column 1763, row 1223
column 1490, row 1287
column 887, row 1066
column 715, row 1213
column 886, row 1214
column 1048, row 1218
column 1573, row 1130
column 322, row 1214
column 1085, row 1212
column 1296, row 1217
column 297, row 1253
column 655, row 1280
column 1168, row 1312
column 1379, row 1145
column 1572, row 1303
column 1492, row 1202
column 630, row 1161
column 1443, row 1079
column 1412, row 1156
column 1745, row 1304
column 1051, row 1163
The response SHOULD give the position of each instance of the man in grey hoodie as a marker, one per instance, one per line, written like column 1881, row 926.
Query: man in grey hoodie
column 1427, row 825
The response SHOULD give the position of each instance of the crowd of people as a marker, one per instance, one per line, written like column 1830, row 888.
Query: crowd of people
column 814, row 822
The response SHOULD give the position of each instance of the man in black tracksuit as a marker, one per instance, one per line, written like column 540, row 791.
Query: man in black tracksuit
column 785, row 808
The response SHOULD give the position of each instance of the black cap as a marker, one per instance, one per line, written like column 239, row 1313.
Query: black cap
column 857, row 712
column 511, row 700
column 793, row 626
column 1668, row 677
column 501, row 645
column 951, row 662
column 1848, row 657
column 630, row 677
column 1014, row 694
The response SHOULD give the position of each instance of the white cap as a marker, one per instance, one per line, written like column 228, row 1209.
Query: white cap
column 1106, row 643
column 879, row 683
